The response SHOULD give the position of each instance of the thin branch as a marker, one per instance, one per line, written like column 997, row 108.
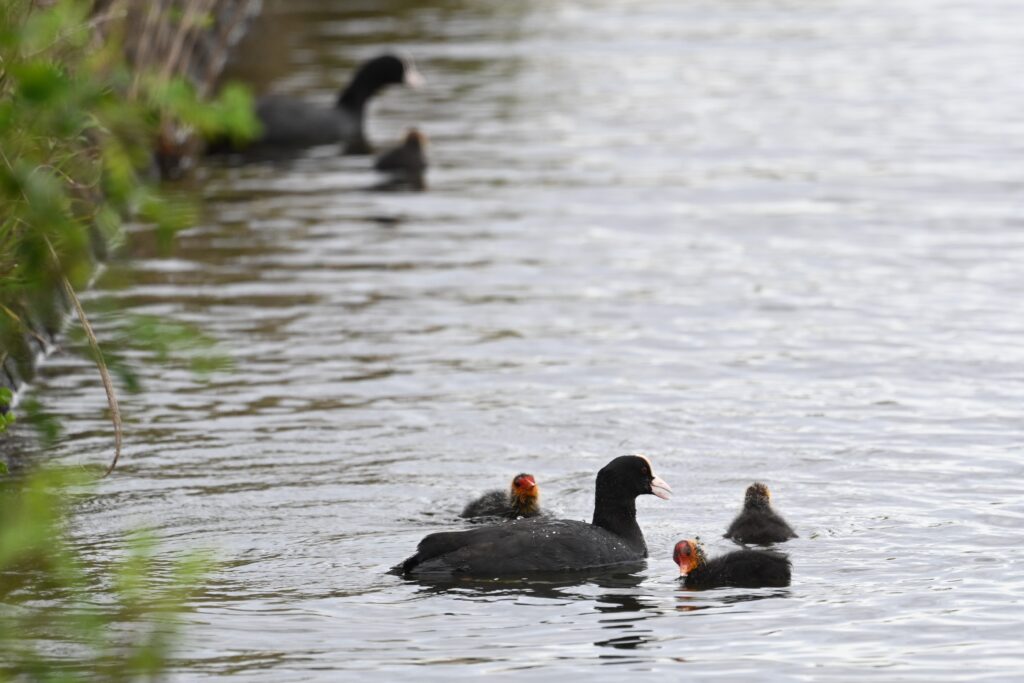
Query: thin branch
column 190, row 19
column 108, row 384
column 144, row 43
column 219, row 53
column 16, row 318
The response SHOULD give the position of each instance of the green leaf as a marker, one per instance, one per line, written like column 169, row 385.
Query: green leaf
column 39, row 82
column 236, row 113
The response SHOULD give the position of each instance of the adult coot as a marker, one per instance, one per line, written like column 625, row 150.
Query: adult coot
column 538, row 544
column 758, row 522
column 741, row 568
column 521, row 500
column 292, row 123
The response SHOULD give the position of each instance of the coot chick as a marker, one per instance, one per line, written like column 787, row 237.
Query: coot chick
column 405, row 164
column 758, row 523
column 292, row 123
column 539, row 544
column 741, row 568
column 521, row 500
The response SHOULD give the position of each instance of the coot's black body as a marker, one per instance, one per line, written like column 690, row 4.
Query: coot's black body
column 521, row 547
column 758, row 523
column 542, row 545
column 292, row 123
column 405, row 165
column 521, row 500
column 741, row 568
column 407, row 159
column 491, row 504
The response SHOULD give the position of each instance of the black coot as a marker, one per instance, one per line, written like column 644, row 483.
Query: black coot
column 405, row 164
column 539, row 544
column 521, row 500
column 758, row 522
column 292, row 123
column 741, row 568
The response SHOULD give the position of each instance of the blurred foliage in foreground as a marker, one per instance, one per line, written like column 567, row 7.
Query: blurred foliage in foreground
column 62, row 619
column 78, row 130
column 78, row 127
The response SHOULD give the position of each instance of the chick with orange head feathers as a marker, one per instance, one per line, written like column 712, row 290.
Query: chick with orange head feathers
column 522, row 499
column 740, row 568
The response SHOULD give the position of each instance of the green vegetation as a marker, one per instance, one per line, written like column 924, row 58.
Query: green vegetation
column 62, row 619
column 6, row 416
column 78, row 127
column 79, row 123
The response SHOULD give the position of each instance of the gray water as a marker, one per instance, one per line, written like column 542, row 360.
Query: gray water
column 775, row 240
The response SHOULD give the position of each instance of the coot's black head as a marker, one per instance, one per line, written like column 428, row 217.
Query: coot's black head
column 688, row 555
column 525, row 494
column 629, row 476
column 375, row 75
column 758, row 496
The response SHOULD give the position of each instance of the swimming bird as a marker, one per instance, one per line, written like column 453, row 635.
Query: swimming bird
column 758, row 523
column 539, row 544
column 291, row 123
column 741, row 568
column 521, row 500
column 405, row 164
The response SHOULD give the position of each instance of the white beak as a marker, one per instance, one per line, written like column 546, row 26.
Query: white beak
column 413, row 78
column 660, row 488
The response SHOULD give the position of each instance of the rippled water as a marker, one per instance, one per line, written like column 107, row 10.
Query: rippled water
column 752, row 239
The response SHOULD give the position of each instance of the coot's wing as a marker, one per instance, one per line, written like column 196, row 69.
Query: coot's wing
column 391, row 160
column 742, row 526
column 783, row 530
column 291, row 122
column 440, row 544
column 758, row 569
column 491, row 504
column 408, row 157
column 732, row 530
column 760, row 528
column 521, row 547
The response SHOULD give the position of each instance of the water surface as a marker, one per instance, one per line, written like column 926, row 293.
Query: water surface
column 774, row 240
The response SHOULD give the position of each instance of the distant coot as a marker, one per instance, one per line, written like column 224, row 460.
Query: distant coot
column 758, row 523
column 292, row 123
column 406, row 164
column 539, row 544
column 521, row 500
column 741, row 568
column 408, row 157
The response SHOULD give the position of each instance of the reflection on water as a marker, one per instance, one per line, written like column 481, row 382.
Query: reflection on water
column 625, row 612
column 686, row 601
column 769, row 240
column 551, row 587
